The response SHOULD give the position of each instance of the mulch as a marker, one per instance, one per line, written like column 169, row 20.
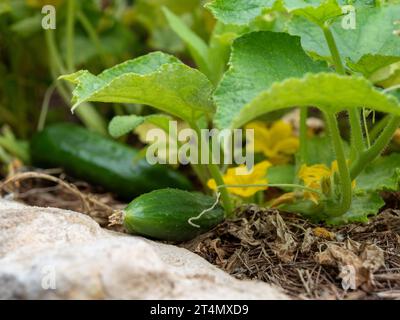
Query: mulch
column 356, row 261
column 305, row 260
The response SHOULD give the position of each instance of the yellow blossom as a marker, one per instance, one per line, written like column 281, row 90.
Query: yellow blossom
column 277, row 142
column 289, row 197
column 313, row 177
column 257, row 176
column 317, row 177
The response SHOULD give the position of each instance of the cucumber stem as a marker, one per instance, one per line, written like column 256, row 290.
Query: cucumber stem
column 344, row 173
column 273, row 185
column 303, row 136
column 379, row 145
column 215, row 174
column 357, row 139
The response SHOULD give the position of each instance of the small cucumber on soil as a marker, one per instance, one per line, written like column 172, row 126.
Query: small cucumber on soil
column 101, row 161
column 172, row 215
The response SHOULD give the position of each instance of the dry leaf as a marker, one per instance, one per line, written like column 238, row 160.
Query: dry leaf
column 355, row 270
column 308, row 241
column 373, row 258
column 284, row 246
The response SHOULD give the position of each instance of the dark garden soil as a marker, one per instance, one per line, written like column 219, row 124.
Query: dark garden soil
column 307, row 261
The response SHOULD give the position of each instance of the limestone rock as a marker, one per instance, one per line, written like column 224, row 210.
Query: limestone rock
column 48, row 253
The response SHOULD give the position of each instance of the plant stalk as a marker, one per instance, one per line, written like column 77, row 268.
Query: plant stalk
column 344, row 173
column 215, row 174
column 303, row 136
column 376, row 149
column 87, row 113
column 70, row 31
column 357, row 139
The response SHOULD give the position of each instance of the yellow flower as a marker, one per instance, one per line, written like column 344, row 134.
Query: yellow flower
column 277, row 142
column 257, row 176
column 41, row 3
column 317, row 177
column 314, row 176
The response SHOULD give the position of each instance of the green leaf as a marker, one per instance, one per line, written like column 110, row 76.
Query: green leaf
column 197, row 47
column 362, row 206
column 157, row 79
column 372, row 36
column 243, row 12
column 320, row 150
column 258, row 60
column 319, row 90
column 306, row 208
column 369, row 65
column 240, row 12
column 282, row 174
column 121, row 125
column 381, row 175
column 318, row 12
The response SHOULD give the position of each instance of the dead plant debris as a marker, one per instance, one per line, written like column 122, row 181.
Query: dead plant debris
column 357, row 261
column 308, row 261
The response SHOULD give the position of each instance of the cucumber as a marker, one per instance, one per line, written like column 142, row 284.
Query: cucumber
column 165, row 214
column 101, row 161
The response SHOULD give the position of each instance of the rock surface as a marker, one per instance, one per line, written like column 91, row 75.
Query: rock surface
column 48, row 253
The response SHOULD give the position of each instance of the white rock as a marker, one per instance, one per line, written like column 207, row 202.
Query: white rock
column 48, row 253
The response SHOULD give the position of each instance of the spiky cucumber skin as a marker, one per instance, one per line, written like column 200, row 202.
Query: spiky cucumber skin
column 164, row 215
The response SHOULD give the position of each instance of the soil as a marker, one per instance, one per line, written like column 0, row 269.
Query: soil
column 307, row 261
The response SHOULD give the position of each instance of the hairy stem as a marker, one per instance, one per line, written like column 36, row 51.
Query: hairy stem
column 344, row 173
column 376, row 149
column 226, row 200
column 378, row 128
column 303, row 136
column 273, row 185
column 215, row 174
column 357, row 139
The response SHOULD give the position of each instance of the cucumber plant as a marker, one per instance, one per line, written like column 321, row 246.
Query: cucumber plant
column 305, row 59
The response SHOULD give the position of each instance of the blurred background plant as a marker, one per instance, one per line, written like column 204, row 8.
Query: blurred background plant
column 90, row 34
column 97, row 34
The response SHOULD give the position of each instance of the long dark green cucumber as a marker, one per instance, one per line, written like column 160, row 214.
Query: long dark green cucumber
column 101, row 161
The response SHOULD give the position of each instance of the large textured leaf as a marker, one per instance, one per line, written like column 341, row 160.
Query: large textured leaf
column 157, row 79
column 258, row 60
column 373, row 36
column 363, row 206
column 381, row 175
column 238, row 12
column 242, row 12
column 319, row 90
